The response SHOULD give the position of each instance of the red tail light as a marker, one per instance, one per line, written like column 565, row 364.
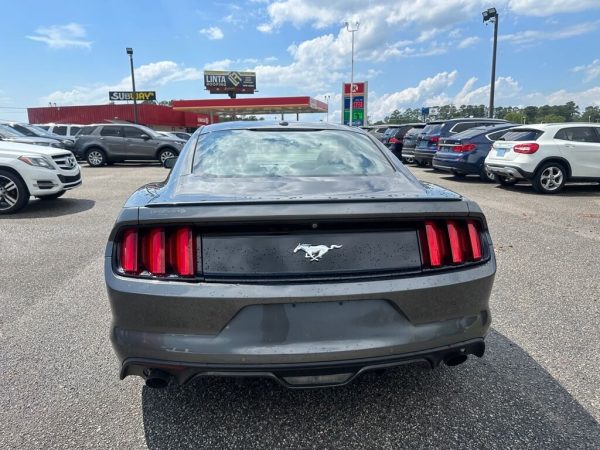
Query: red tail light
column 462, row 237
column 129, row 251
column 434, row 139
column 158, row 252
column 393, row 140
column 526, row 148
column 464, row 148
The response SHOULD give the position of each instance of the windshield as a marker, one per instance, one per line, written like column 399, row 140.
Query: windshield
column 8, row 132
column 271, row 153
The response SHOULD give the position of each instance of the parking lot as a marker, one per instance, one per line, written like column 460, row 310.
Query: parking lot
column 538, row 385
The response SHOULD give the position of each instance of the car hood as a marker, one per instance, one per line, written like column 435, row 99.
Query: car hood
column 29, row 149
column 193, row 189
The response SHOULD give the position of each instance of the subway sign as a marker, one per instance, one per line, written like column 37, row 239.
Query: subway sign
column 359, row 92
column 140, row 96
column 218, row 81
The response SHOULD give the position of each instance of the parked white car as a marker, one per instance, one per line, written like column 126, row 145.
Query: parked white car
column 548, row 154
column 62, row 129
column 31, row 170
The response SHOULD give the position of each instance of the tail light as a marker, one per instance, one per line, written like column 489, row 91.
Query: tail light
column 159, row 252
column 463, row 148
column 393, row 140
column 451, row 242
column 527, row 149
column 434, row 140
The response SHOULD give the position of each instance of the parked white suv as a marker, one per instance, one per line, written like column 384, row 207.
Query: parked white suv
column 27, row 170
column 62, row 129
column 548, row 154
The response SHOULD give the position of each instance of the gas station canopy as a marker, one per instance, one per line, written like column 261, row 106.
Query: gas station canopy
column 243, row 106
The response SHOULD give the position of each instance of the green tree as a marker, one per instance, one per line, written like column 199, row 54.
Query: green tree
column 551, row 118
column 514, row 117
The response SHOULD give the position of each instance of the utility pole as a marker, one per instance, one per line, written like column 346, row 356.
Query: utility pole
column 352, row 27
column 327, row 100
column 135, row 110
column 491, row 15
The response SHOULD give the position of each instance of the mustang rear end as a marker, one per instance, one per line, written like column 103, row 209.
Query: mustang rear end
column 306, row 262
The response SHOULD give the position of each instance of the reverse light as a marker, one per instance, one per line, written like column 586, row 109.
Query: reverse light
column 527, row 148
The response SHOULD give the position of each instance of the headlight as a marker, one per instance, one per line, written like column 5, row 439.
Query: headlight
column 37, row 161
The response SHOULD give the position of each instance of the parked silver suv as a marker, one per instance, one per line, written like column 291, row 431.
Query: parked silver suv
column 107, row 144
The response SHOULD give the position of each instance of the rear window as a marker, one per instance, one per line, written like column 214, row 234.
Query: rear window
column 273, row 153
column 390, row 131
column 433, row 128
column 61, row 130
column 74, row 131
column 522, row 135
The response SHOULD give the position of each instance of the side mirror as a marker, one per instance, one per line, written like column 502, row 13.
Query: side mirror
column 144, row 137
column 169, row 163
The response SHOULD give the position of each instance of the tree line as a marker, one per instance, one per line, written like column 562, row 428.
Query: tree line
column 569, row 112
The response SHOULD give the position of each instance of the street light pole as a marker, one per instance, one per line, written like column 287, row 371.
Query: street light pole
column 491, row 15
column 135, row 110
column 352, row 27
column 327, row 100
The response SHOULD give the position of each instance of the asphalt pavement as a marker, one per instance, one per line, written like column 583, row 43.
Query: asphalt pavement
column 538, row 385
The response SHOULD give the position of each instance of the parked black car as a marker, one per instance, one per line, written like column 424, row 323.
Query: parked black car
column 427, row 142
column 464, row 153
column 409, row 143
column 394, row 137
column 300, row 252
column 107, row 144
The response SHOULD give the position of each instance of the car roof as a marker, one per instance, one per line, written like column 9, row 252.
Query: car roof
column 277, row 125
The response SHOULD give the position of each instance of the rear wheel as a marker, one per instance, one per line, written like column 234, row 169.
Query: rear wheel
column 165, row 154
column 506, row 181
column 408, row 159
column 419, row 163
column 550, row 178
column 13, row 193
column 52, row 196
column 487, row 176
column 95, row 157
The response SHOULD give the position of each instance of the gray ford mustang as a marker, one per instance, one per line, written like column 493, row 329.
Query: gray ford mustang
column 302, row 252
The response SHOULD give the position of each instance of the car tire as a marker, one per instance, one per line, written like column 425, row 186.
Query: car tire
column 14, row 194
column 458, row 174
column 487, row 176
column 52, row 196
column 408, row 160
column 550, row 178
column 506, row 181
column 165, row 154
column 419, row 163
column 95, row 157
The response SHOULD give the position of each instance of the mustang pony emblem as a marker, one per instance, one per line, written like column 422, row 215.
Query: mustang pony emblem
column 315, row 252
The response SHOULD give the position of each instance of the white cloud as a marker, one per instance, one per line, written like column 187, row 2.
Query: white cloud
column 507, row 88
column 62, row 36
column 147, row 76
column 591, row 71
column 544, row 8
column 588, row 97
column 468, row 42
column 212, row 33
column 427, row 88
column 530, row 37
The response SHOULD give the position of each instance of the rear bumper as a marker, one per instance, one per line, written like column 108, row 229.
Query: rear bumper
column 301, row 375
column 455, row 166
column 509, row 171
column 424, row 156
column 190, row 329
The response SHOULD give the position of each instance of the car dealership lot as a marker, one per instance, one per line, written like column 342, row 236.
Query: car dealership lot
column 537, row 386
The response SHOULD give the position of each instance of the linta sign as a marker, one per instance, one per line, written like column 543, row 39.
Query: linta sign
column 359, row 103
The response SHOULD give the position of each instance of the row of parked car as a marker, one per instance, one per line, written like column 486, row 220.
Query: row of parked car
column 548, row 155
column 41, row 160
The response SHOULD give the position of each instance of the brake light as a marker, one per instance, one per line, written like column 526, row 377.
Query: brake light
column 453, row 242
column 158, row 252
column 393, row 140
column 462, row 148
column 434, row 139
column 527, row 149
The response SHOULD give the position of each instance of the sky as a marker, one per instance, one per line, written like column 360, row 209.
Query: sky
column 413, row 53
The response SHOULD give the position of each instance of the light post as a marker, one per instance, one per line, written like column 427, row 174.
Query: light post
column 491, row 15
column 327, row 97
column 135, row 110
column 352, row 27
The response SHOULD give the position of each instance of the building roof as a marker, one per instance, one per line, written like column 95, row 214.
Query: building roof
column 241, row 106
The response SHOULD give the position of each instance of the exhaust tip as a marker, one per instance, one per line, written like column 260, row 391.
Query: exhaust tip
column 455, row 360
column 157, row 379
